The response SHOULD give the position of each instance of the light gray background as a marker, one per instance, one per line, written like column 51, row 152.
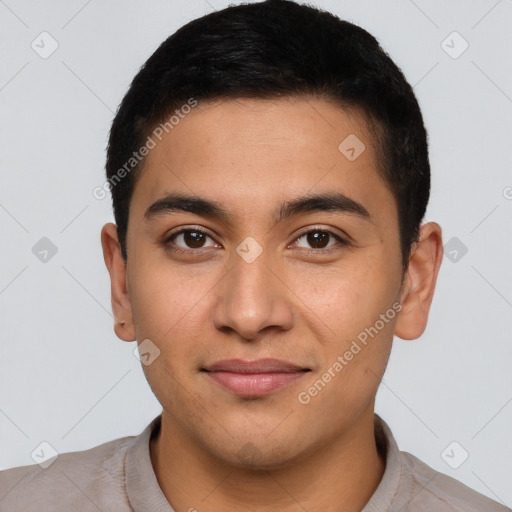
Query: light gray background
column 67, row 379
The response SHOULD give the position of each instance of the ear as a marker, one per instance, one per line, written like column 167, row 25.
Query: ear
column 420, row 282
column 119, row 294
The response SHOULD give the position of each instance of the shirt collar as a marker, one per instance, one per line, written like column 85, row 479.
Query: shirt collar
column 142, row 488
column 383, row 497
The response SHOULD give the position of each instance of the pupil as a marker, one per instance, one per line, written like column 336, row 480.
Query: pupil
column 317, row 238
column 193, row 239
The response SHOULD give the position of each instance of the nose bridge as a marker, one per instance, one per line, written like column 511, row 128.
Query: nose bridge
column 251, row 298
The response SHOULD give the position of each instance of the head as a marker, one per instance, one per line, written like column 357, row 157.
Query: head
column 293, row 150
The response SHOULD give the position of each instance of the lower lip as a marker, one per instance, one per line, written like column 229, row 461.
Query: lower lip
column 254, row 384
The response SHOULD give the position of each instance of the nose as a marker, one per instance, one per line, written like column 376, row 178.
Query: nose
column 251, row 298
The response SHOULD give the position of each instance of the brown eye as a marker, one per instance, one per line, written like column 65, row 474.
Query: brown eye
column 318, row 239
column 193, row 239
column 189, row 239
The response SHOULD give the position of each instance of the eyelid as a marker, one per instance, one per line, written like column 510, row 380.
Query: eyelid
column 167, row 237
column 343, row 240
column 339, row 244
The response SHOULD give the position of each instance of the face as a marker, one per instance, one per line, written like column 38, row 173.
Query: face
column 243, row 277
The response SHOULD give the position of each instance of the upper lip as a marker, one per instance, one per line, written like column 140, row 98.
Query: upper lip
column 258, row 366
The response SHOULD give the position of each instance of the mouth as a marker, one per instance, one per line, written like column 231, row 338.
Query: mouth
column 254, row 378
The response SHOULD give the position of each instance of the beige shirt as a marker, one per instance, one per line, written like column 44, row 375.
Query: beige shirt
column 118, row 477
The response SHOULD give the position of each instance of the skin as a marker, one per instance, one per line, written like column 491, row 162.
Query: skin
column 301, row 306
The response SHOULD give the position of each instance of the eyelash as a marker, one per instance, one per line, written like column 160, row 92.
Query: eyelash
column 341, row 241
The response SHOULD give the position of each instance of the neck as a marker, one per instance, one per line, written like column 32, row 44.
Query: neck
column 340, row 475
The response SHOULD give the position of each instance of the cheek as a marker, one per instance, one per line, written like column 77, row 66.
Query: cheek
column 172, row 309
column 356, row 340
column 346, row 298
column 167, row 310
column 165, row 297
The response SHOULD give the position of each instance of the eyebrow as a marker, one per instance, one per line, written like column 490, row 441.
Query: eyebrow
column 325, row 202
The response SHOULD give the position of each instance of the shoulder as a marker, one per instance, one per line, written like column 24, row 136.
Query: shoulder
column 411, row 485
column 424, row 488
column 82, row 480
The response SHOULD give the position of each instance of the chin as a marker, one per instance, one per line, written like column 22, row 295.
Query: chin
column 259, row 454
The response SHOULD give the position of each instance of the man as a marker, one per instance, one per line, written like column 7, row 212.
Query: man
column 269, row 173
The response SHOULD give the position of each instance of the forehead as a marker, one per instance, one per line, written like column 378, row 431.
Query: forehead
column 240, row 152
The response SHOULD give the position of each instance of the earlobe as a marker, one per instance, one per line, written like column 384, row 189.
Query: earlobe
column 420, row 282
column 124, row 331
column 116, row 266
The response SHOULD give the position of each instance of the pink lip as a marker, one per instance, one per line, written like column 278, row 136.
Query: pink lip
column 254, row 378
